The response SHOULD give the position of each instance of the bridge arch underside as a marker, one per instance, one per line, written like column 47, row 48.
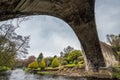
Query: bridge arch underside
column 79, row 14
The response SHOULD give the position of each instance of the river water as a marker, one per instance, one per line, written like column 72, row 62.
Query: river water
column 19, row 74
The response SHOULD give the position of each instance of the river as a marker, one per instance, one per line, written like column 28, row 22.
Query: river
column 19, row 74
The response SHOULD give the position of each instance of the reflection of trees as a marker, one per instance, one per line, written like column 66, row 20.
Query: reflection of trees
column 4, row 75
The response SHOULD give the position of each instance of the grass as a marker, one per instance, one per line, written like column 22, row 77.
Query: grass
column 44, row 73
column 52, row 69
column 70, row 65
column 30, row 69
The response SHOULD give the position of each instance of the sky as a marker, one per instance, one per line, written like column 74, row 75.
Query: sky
column 50, row 35
column 107, row 14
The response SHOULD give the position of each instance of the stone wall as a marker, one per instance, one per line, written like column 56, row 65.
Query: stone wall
column 110, row 56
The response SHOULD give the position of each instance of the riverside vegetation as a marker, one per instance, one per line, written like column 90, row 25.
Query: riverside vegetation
column 12, row 46
column 69, row 58
column 114, row 41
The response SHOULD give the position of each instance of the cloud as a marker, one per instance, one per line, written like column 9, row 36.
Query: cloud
column 49, row 35
column 107, row 17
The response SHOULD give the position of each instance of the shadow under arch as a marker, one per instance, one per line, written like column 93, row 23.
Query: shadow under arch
column 79, row 14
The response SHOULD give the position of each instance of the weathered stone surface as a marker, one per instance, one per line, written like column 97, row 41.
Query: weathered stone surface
column 79, row 14
column 110, row 56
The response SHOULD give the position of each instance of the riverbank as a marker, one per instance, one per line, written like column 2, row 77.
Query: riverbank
column 73, row 72
column 19, row 74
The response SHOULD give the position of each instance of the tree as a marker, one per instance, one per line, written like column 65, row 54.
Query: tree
column 42, row 64
column 7, row 48
column 12, row 45
column 67, row 50
column 40, row 57
column 61, row 54
column 114, row 40
column 74, row 55
column 55, row 62
column 48, row 61
column 29, row 60
column 21, row 42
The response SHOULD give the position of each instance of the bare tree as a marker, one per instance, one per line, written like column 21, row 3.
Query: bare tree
column 12, row 45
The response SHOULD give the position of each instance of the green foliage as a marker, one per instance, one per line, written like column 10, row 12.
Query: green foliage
column 44, row 73
column 7, row 56
column 64, row 62
column 74, row 55
column 81, row 64
column 33, row 65
column 48, row 61
column 7, row 59
column 52, row 69
column 4, row 68
column 70, row 65
column 118, row 54
column 42, row 64
column 116, row 74
column 114, row 40
column 40, row 57
column 55, row 62
column 11, row 45
column 67, row 50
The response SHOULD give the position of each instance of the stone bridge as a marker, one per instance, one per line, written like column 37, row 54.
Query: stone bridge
column 79, row 14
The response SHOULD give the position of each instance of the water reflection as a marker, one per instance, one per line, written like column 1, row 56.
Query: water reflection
column 19, row 74
column 4, row 75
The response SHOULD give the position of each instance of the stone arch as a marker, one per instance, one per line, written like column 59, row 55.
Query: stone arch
column 79, row 14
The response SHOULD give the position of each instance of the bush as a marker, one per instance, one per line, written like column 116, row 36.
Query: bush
column 42, row 64
column 55, row 62
column 118, row 54
column 74, row 55
column 4, row 68
column 64, row 62
column 116, row 74
column 33, row 65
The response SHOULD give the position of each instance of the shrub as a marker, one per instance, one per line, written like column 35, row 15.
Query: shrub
column 42, row 64
column 74, row 55
column 64, row 62
column 55, row 62
column 4, row 68
column 116, row 74
column 33, row 65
